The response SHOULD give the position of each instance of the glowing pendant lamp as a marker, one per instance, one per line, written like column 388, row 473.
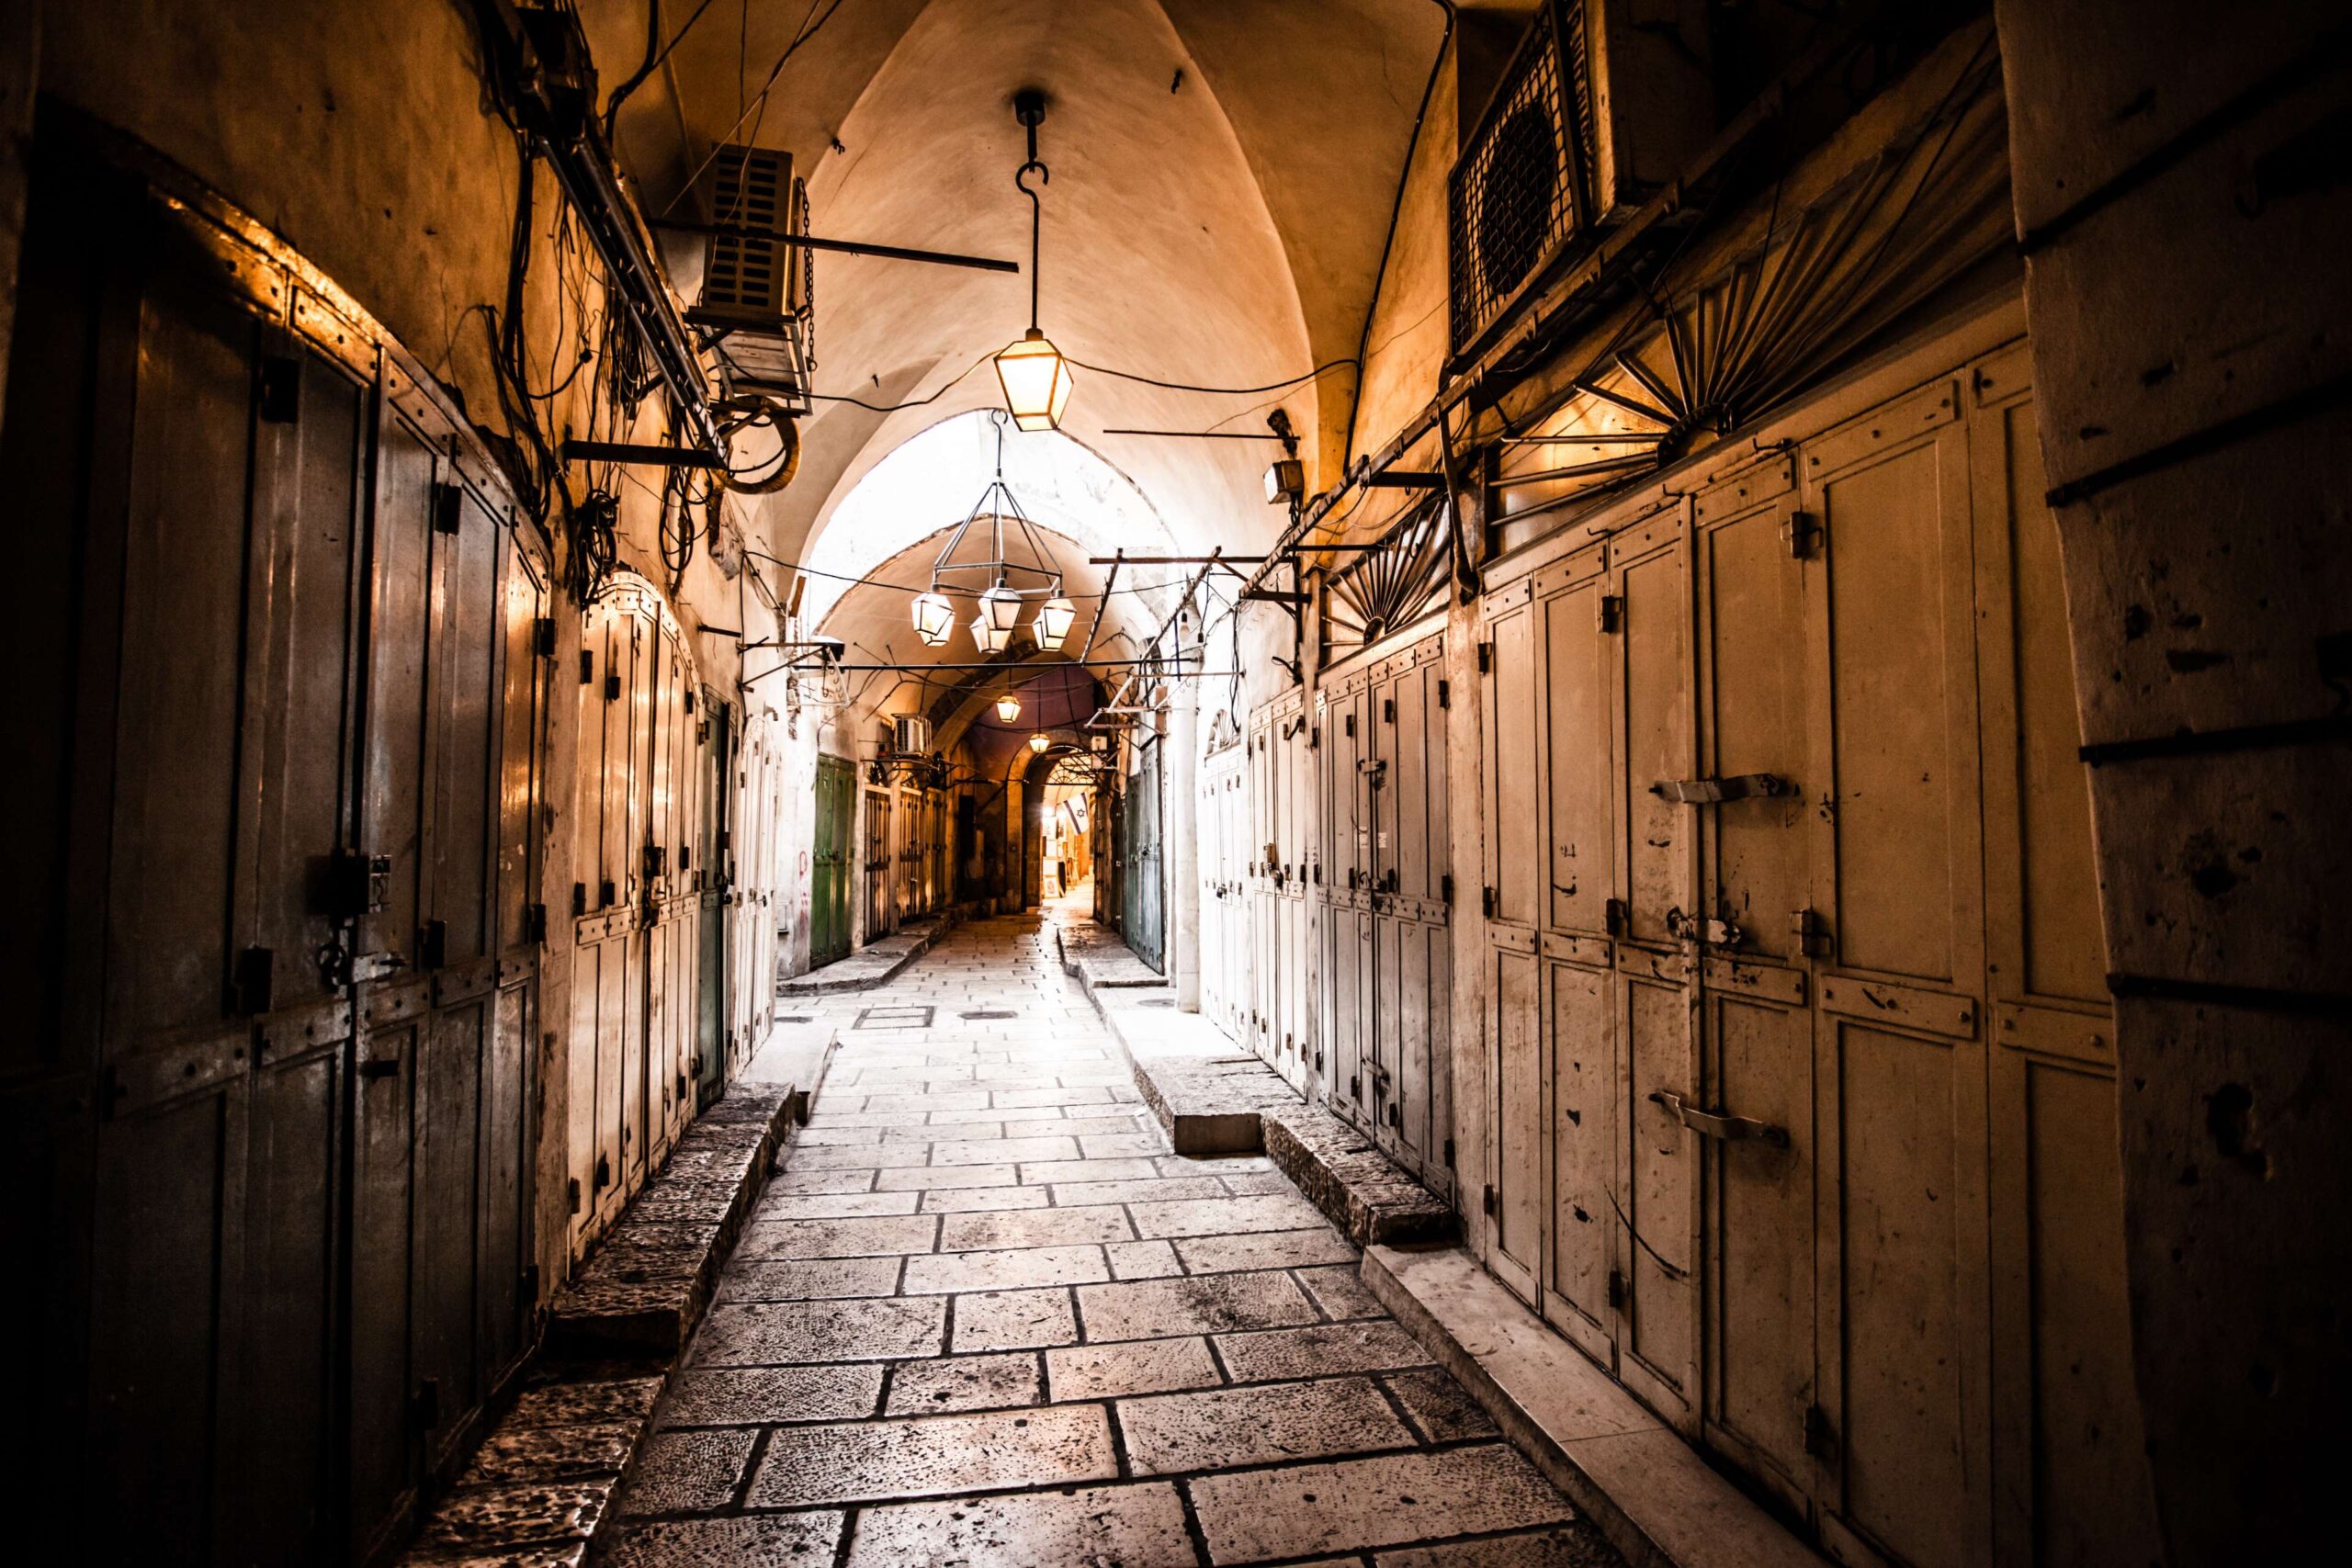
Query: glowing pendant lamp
column 1034, row 376
column 1008, row 708
column 1054, row 619
column 935, row 619
column 1038, row 743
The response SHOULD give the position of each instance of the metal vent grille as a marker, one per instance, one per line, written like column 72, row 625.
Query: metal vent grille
column 1517, row 193
column 749, row 189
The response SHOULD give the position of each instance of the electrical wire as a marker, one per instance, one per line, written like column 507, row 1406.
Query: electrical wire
column 1319, row 370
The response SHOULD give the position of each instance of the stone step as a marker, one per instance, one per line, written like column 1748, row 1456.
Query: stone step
column 877, row 962
column 542, row 1482
column 1213, row 1098
column 1651, row 1494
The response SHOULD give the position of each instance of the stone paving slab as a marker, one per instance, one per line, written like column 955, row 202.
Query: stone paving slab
column 989, row 1316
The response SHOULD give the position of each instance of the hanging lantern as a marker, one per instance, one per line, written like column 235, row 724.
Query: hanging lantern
column 1032, row 372
column 991, row 638
column 935, row 618
column 1036, row 381
column 1054, row 619
column 1038, row 743
column 1008, row 708
column 1001, row 607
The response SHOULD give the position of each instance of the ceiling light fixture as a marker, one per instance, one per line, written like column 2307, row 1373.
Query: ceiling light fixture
column 1001, row 587
column 1038, row 743
column 1032, row 372
column 935, row 618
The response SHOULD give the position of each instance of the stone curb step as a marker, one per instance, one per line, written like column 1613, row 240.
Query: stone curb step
column 1658, row 1501
column 1214, row 1099
column 876, row 964
column 543, row 1482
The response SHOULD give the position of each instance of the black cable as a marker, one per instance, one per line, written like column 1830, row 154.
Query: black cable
column 1324, row 369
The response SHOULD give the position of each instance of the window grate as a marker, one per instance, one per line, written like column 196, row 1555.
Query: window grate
column 1517, row 194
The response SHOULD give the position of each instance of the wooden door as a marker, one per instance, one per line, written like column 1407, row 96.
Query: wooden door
column 1411, row 994
column 828, row 884
column 254, row 574
column 2070, row 1480
column 1753, row 555
column 1143, row 925
column 1902, row 1337
column 1655, row 851
column 1512, row 1204
column 1572, row 866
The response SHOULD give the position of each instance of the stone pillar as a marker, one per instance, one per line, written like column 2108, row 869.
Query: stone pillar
column 1180, row 836
column 2192, row 345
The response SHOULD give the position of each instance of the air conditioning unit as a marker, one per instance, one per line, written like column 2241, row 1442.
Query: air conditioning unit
column 911, row 734
column 758, row 296
column 1602, row 102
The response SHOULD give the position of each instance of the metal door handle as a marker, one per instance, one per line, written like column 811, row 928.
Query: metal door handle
column 1701, row 792
column 1731, row 1129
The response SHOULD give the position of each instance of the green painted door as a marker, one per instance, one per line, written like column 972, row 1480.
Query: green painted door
column 829, row 878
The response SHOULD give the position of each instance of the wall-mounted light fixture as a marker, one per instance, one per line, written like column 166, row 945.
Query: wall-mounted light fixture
column 1032, row 372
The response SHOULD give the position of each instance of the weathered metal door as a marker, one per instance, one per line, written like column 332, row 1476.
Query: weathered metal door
column 1215, row 909
column 711, row 880
column 829, row 869
column 1756, row 1022
column 1140, row 889
column 281, row 1101
column 1650, row 659
column 1411, row 1000
column 1510, row 898
column 1265, row 886
column 881, row 870
column 1288, row 1041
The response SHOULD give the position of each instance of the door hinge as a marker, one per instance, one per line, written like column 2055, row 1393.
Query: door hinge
column 1487, row 1201
column 1615, row 918
column 690, row 700
column 1802, row 535
column 611, row 688
column 530, row 1284
column 543, row 636
column 1811, row 933
column 1819, row 1440
column 572, row 1192
column 1487, row 902
column 1485, row 657
column 277, row 388
column 603, row 1171
column 254, row 979
column 1351, row 726
column 1449, row 1153
column 534, row 919
column 579, row 898
column 1355, row 1088
column 1616, row 1290
column 424, row 1405
column 1446, row 889
column 1612, row 612
column 587, row 665
column 361, row 883
column 448, row 508
column 432, row 944
column 1388, row 710
column 1445, row 695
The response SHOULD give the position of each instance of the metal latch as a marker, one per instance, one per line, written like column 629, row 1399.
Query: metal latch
column 361, row 882
column 1711, row 931
column 1811, row 933
column 1704, row 792
column 1731, row 1129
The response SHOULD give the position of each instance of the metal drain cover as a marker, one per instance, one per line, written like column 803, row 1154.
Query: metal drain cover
column 792, row 1018
column 1157, row 1002
column 990, row 1012
column 903, row 1016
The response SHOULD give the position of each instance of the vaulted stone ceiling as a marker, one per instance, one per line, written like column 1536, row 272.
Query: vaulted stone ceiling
column 1223, row 177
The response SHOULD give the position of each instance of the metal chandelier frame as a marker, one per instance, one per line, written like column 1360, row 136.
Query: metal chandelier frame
column 997, row 504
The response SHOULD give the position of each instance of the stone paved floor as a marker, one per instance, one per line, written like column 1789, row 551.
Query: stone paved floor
column 983, row 1317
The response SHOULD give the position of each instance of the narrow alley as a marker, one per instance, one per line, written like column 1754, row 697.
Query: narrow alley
column 982, row 1316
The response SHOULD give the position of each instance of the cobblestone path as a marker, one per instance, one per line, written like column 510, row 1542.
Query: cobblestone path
column 983, row 1317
